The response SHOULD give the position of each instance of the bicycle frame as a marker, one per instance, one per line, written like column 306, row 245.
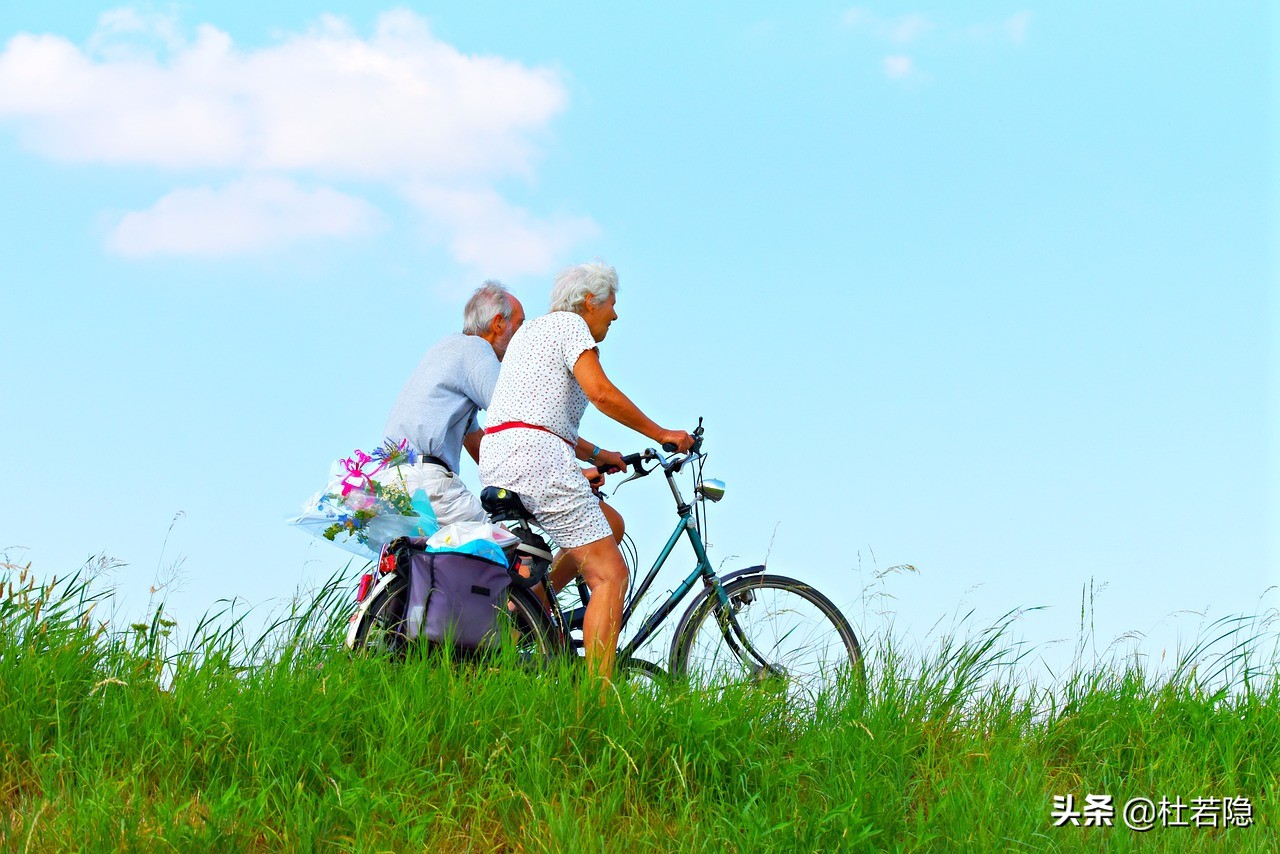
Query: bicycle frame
column 686, row 526
column 703, row 571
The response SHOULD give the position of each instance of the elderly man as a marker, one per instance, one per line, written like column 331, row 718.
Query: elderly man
column 436, row 409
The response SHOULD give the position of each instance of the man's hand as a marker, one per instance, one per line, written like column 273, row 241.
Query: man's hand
column 680, row 438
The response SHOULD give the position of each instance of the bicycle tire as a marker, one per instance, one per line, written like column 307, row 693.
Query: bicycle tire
column 531, row 634
column 801, row 634
column 643, row 674
column 381, row 630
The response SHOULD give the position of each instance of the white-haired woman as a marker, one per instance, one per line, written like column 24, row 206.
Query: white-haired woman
column 531, row 443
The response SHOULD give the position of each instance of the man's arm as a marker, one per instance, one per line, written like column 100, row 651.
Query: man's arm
column 471, row 442
column 483, row 377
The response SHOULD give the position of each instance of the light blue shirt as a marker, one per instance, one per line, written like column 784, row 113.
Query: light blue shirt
column 438, row 405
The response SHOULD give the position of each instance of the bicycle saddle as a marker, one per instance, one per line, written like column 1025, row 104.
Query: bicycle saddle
column 503, row 505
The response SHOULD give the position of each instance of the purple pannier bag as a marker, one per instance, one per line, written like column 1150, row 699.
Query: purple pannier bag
column 452, row 596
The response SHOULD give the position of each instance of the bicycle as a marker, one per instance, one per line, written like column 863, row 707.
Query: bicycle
column 748, row 625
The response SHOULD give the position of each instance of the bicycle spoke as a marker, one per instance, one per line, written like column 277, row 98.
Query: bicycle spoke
column 775, row 629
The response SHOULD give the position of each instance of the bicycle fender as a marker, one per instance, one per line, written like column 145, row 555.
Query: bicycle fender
column 358, row 617
column 750, row 570
column 700, row 598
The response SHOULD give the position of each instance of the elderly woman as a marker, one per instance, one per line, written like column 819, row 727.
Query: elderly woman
column 550, row 372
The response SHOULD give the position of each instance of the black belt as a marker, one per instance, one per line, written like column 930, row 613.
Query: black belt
column 427, row 458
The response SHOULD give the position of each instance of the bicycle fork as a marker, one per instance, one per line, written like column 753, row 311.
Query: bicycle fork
column 726, row 617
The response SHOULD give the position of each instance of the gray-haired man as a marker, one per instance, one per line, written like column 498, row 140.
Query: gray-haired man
column 436, row 409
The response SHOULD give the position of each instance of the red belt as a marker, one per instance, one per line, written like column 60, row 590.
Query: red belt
column 507, row 425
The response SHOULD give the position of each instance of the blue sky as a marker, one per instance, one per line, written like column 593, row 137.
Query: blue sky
column 988, row 292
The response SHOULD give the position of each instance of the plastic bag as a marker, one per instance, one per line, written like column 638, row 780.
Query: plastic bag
column 359, row 514
column 477, row 539
column 325, row 517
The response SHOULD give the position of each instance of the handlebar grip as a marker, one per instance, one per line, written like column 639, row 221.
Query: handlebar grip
column 633, row 459
column 668, row 446
column 608, row 469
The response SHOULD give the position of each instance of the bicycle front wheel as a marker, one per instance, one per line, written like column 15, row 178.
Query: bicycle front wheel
column 775, row 630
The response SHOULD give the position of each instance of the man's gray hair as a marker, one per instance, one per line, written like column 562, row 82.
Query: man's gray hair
column 574, row 283
column 490, row 299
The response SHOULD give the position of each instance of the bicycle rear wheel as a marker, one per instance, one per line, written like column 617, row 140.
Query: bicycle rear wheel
column 799, row 638
column 380, row 634
column 522, row 629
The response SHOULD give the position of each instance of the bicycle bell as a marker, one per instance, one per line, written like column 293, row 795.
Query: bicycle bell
column 710, row 488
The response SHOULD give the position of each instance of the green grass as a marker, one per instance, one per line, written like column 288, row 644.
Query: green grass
column 284, row 743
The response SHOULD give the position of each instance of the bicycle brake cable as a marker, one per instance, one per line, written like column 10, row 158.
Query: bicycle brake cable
column 700, row 510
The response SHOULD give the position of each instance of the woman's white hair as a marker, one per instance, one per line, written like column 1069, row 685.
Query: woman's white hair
column 573, row 284
column 489, row 300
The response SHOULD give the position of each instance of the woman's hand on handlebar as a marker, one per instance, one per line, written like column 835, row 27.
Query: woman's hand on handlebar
column 675, row 440
column 608, row 462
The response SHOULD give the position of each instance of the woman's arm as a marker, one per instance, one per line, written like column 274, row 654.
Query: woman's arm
column 610, row 400
column 589, row 452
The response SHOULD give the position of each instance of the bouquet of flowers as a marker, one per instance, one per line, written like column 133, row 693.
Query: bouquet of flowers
column 361, row 514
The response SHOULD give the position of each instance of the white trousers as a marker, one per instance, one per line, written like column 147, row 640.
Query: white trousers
column 434, row 486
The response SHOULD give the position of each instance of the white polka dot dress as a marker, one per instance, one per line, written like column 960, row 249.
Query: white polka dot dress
column 536, row 386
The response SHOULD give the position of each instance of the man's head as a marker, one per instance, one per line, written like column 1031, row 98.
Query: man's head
column 589, row 290
column 494, row 314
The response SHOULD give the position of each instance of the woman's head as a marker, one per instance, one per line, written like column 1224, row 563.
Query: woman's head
column 588, row 290
column 574, row 284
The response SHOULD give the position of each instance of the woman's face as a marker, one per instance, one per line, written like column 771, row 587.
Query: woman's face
column 599, row 315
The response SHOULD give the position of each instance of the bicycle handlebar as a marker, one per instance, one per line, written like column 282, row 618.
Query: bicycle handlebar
column 670, row 447
column 669, row 464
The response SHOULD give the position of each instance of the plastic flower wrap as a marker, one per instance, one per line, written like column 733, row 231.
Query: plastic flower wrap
column 361, row 514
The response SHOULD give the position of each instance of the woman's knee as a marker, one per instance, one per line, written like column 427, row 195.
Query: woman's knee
column 601, row 563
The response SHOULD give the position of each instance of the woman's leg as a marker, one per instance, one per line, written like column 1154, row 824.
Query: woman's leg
column 616, row 525
column 605, row 572
column 563, row 569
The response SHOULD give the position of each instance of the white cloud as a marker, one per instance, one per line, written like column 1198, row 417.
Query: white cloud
column 1018, row 26
column 1012, row 30
column 900, row 30
column 854, row 17
column 899, row 67
column 915, row 28
column 399, row 103
column 250, row 215
column 126, row 32
column 490, row 234
column 908, row 28
column 399, row 108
